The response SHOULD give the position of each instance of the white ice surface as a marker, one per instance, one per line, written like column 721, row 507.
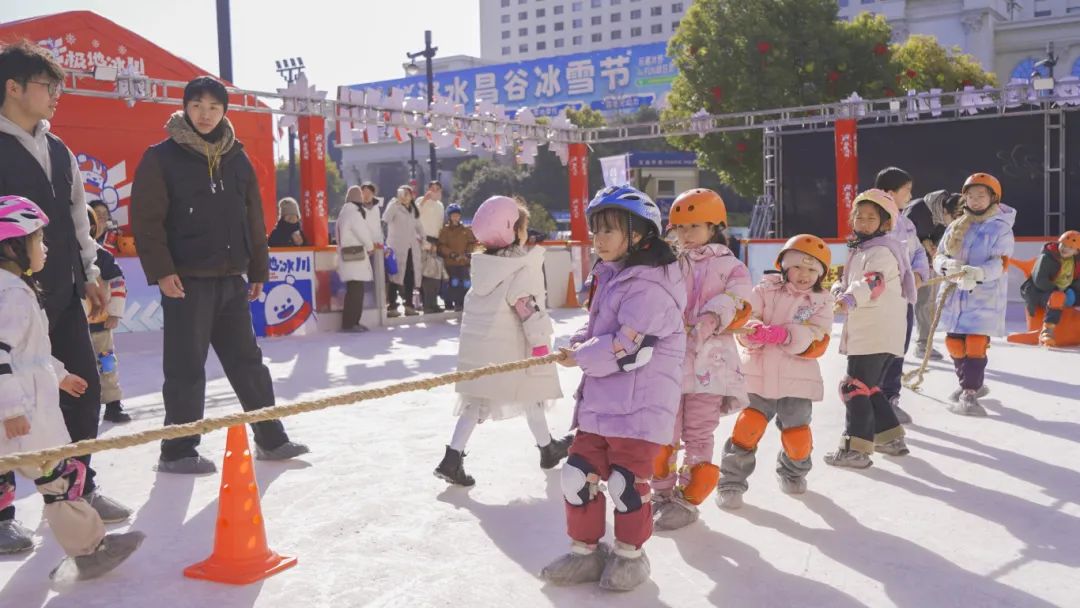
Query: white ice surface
column 984, row 512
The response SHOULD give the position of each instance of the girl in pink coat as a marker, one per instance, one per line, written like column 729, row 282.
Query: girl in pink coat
column 792, row 320
column 718, row 287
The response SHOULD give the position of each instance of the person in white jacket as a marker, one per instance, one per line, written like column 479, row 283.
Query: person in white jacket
column 356, row 246
column 30, row 383
column 432, row 218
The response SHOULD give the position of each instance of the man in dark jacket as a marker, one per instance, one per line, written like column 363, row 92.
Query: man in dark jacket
column 198, row 224
column 931, row 215
column 37, row 165
column 1054, row 283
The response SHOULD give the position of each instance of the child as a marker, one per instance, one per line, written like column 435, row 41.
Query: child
column 102, row 326
column 977, row 245
column 897, row 183
column 505, row 320
column 718, row 287
column 30, row 382
column 1054, row 283
column 793, row 317
column 287, row 232
column 876, row 288
column 631, row 354
column 456, row 244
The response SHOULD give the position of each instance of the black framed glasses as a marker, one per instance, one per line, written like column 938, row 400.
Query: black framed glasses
column 54, row 87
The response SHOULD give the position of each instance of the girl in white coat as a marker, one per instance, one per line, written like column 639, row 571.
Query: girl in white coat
column 505, row 319
column 30, row 381
column 356, row 245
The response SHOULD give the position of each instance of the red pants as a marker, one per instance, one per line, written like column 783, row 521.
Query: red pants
column 586, row 523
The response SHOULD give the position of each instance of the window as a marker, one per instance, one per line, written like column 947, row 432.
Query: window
column 657, row 28
column 577, row 24
column 665, row 187
column 867, row 1
column 541, row 45
column 522, row 16
column 1073, row 9
column 540, row 12
column 677, row 7
column 674, row 25
column 558, row 9
column 635, row 14
column 597, row 37
column 615, row 17
column 504, row 19
column 616, row 35
column 576, row 7
column 559, row 26
column 577, row 40
column 523, row 31
column 656, row 11
column 522, row 1
column 1043, row 13
column 596, row 19
column 595, row 3
column 506, row 34
column 635, row 32
column 523, row 48
column 843, row 3
column 540, row 29
column 616, row 2
column 559, row 43
column 505, row 3
column 505, row 50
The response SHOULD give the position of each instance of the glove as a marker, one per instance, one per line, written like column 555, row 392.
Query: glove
column 541, row 351
column 769, row 334
column 836, row 289
column 876, row 282
column 847, row 300
column 1070, row 297
column 950, row 267
column 972, row 276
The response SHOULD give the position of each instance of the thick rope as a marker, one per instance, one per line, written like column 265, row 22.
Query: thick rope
column 43, row 458
column 914, row 379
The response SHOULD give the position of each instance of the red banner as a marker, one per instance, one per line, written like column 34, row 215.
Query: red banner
column 313, row 208
column 579, row 191
column 847, row 173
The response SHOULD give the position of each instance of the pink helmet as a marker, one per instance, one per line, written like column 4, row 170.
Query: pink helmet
column 494, row 222
column 20, row 217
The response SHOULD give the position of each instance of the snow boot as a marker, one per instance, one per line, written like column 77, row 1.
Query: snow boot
column 901, row 416
column 14, row 538
column 392, row 312
column 284, row 451
column 896, row 447
column 920, row 353
column 676, row 514
column 729, row 498
column 968, row 405
column 411, row 312
column 792, row 485
column 114, row 412
column 452, row 468
column 552, row 453
column 191, row 465
column 583, row 564
column 979, row 394
column 110, row 511
column 626, row 568
column 1046, row 336
column 113, row 550
column 847, row 457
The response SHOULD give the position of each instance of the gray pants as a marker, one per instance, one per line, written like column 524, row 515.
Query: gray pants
column 924, row 314
column 738, row 462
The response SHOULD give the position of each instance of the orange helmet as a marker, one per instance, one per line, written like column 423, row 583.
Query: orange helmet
column 1070, row 238
column 698, row 206
column 983, row 179
column 809, row 244
column 880, row 198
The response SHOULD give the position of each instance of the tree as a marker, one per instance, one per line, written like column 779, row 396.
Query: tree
column 923, row 64
column 737, row 56
column 335, row 184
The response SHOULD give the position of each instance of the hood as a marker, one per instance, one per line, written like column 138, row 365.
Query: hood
column 9, row 280
column 1053, row 250
column 489, row 271
column 711, row 250
column 1006, row 216
column 36, row 144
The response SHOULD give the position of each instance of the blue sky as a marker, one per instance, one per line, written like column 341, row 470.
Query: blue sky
column 341, row 42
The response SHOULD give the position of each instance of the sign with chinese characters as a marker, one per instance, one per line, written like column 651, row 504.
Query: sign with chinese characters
column 287, row 305
column 610, row 81
column 847, row 172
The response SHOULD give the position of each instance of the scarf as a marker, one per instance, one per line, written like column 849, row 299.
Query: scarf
column 899, row 251
column 181, row 131
column 954, row 245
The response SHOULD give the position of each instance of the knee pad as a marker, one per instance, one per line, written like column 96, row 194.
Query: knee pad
column 977, row 345
column 749, row 429
column 662, row 465
column 703, row 479
column 957, row 347
column 107, row 362
column 853, row 387
column 624, row 495
column 580, row 482
column 1057, row 299
column 797, row 442
column 7, row 490
column 74, row 472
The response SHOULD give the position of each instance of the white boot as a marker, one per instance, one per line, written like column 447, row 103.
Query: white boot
column 729, row 499
column 676, row 514
column 583, row 564
column 14, row 538
column 113, row 550
column 626, row 568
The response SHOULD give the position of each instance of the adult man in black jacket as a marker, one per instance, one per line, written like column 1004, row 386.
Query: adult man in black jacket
column 931, row 214
column 198, row 223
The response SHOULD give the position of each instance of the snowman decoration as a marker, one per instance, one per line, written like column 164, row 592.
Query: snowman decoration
column 286, row 311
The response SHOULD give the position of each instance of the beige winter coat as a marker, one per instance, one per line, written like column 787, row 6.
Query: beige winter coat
column 877, row 324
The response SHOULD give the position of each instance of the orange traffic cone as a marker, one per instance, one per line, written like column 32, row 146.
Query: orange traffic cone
column 240, row 555
column 571, row 293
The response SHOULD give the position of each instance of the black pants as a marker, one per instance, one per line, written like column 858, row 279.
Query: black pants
column 406, row 289
column 70, row 337
column 459, row 281
column 890, row 384
column 213, row 312
column 1035, row 298
column 354, row 304
column 867, row 415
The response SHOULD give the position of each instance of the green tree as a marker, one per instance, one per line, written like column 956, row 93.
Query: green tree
column 487, row 179
column 923, row 64
column 335, row 184
column 585, row 118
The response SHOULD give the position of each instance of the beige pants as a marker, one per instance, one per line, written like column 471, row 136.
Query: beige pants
column 77, row 526
column 110, row 382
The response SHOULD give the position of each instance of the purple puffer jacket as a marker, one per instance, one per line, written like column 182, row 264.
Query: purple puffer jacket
column 640, row 404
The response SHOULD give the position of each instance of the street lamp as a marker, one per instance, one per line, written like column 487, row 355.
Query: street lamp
column 412, row 69
column 290, row 69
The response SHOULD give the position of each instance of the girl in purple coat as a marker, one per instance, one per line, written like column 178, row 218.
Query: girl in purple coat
column 631, row 356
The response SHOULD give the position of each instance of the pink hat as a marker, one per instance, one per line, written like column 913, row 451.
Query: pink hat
column 20, row 217
column 494, row 222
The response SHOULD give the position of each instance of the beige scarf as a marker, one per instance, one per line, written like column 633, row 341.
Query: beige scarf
column 955, row 245
column 182, row 133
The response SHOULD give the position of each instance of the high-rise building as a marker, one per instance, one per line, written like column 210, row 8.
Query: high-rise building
column 514, row 30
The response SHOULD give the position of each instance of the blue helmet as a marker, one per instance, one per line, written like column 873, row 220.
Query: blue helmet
column 453, row 208
column 629, row 199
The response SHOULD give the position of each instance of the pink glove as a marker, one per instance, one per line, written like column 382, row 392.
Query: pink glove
column 769, row 334
column 876, row 282
column 541, row 351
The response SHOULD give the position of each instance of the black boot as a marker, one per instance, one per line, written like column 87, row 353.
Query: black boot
column 552, row 453
column 452, row 468
column 114, row 412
